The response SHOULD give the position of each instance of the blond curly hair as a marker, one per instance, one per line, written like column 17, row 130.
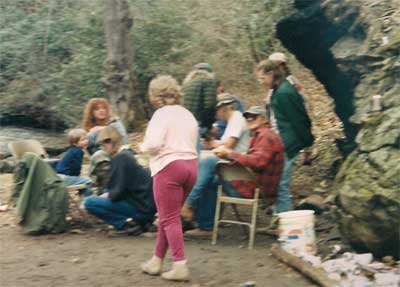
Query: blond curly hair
column 164, row 90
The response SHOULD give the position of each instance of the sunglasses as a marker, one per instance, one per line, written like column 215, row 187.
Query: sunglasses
column 250, row 117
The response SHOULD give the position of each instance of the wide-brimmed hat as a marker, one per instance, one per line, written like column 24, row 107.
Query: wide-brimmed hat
column 224, row 99
column 109, row 133
column 256, row 110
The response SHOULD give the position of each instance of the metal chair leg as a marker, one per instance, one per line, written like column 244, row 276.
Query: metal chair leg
column 253, row 225
column 217, row 216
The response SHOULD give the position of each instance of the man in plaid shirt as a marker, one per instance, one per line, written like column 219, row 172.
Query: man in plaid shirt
column 265, row 156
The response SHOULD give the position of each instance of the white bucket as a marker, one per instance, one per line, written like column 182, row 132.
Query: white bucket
column 296, row 232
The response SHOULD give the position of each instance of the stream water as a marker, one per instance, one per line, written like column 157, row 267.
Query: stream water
column 50, row 140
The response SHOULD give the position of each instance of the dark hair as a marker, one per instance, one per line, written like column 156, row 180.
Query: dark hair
column 278, row 72
column 285, row 69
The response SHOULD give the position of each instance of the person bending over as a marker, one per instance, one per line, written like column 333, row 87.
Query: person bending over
column 128, row 202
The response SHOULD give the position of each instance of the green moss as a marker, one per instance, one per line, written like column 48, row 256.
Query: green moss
column 392, row 47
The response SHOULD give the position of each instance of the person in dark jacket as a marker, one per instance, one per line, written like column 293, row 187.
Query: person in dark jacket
column 69, row 167
column 128, row 202
column 289, row 117
column 200, row 95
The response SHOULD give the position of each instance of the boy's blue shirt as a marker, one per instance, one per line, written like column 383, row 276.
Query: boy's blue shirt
column 71, row 163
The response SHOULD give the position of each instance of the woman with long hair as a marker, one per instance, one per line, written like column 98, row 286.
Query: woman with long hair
column 288, row 116
column 170, row 140
column 98, row 115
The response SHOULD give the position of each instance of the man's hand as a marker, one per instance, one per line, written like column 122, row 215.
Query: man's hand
column 104, row 195
column 222, row 152
column 208, row 144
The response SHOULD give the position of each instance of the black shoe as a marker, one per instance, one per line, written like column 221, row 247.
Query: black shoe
column 131, row 228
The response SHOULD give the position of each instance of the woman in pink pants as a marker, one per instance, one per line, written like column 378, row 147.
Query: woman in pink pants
column 170, row 140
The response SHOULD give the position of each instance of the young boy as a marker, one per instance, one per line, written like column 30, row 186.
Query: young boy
column 69, row 167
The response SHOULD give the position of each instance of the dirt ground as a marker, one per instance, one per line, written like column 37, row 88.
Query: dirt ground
column 92, row 258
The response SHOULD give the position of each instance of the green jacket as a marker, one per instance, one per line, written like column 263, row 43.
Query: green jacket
column 292, row 119
column 40, row 196
column 200, row 96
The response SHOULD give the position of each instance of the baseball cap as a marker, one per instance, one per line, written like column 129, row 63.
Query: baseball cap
column 278, row 57
column 109, row 133
column 203, row 66
column 256, row 110
column 224, row 99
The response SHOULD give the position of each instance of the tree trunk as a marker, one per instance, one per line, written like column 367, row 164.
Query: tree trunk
column 119, row 80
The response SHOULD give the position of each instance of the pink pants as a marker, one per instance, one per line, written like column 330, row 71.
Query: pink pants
column 171, row 186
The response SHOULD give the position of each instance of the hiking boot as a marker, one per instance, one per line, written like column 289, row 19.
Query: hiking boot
column 187, row 212
column 152, row 266
column 131, row 228
column 198, row 233
column 179, row 272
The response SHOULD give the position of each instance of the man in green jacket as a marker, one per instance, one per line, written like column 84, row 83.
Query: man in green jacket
column 200, row 95
column 289, row 117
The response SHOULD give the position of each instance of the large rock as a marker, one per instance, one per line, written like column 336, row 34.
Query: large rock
column 353, row 49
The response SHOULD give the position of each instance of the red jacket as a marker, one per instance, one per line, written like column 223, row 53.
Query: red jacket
column 265, row 157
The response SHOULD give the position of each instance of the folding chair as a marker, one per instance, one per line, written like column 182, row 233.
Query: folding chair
column 229, row 172
column 19, row 148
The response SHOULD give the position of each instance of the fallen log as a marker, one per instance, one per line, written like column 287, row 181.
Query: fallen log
column 315, row 274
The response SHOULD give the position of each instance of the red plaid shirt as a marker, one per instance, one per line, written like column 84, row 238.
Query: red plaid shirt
column 265, row 157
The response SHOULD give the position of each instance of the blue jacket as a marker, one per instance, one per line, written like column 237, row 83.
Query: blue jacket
column 71, row 163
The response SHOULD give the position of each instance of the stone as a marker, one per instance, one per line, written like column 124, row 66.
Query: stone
column 356, row 67
column 388, row 260
column 387, row 279
column 249, row 284
column 363, row 259
column 314, row 202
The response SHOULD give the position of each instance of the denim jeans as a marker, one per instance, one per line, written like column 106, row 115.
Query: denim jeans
column 205, row 176
column 199, row 146
column 115, row 213
column 207, row 203
column 74, row 180
column 284, row 199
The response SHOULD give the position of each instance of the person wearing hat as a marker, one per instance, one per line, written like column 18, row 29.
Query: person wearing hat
column 264, row 156
column 280, row 60
column 219, row 126
column 199, row 90
column 235, row 137
column 289, row 117
column 128, row 202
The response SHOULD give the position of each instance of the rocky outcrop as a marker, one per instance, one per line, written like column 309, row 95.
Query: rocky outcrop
column 353, row 49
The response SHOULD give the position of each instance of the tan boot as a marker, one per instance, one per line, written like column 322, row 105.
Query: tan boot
column 153, row 266
column 187, row 212
column 179, row 272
